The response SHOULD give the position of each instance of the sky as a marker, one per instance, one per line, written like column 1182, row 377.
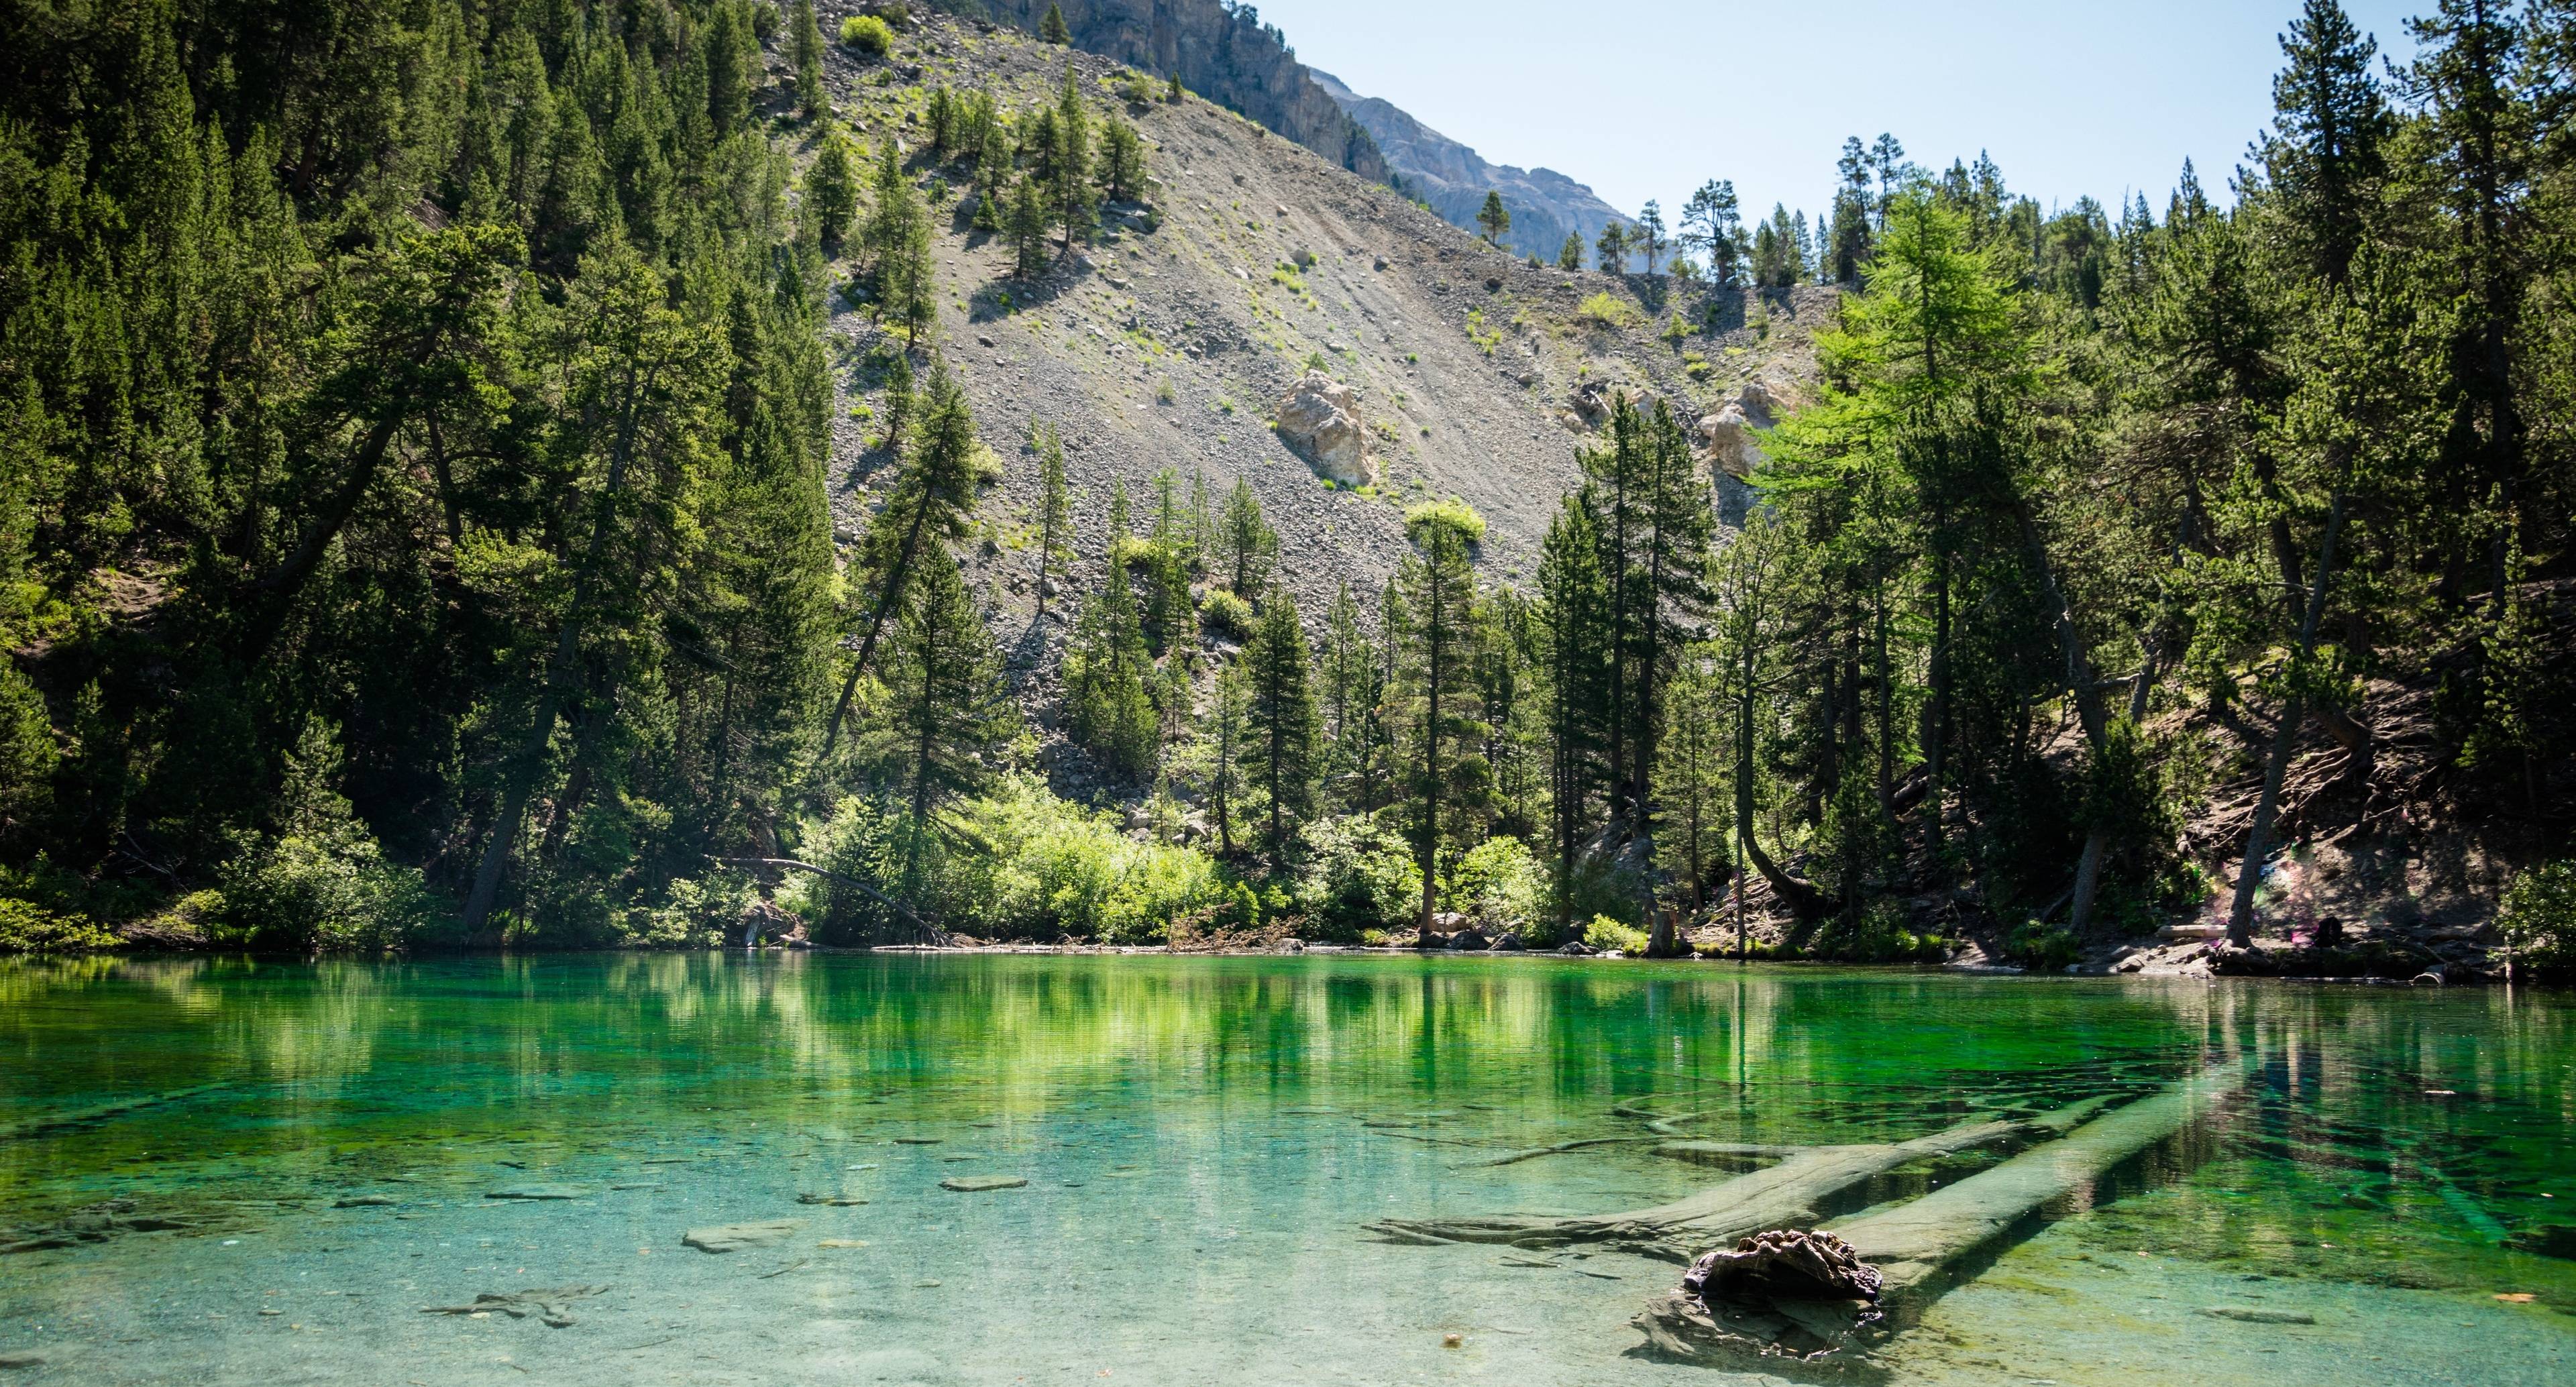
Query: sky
column 1650, row 98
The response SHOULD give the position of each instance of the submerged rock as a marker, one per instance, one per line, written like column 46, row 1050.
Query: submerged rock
column 549, row 1306
column 977, row 1184
column 837, row 1201
column 2257, row 1314
column 91, row 1224
column 734, row 1237
column 365, row 1201
column 21, row 1358
column 540, row 1192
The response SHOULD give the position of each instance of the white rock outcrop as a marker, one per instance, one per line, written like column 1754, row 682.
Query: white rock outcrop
column 1319, row 419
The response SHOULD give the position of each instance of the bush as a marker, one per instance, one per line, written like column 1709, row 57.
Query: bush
column 1457, row 514
column 700, row 913
column 868, row 34
column 2042, row 946
column 1602, row 310
column 1033, row 866
column 1500, row 883
column 28, row 928
column 319, row 882
column 1225, row 614
column 2539, row 918
column 1606, row 934
column 1359, row 876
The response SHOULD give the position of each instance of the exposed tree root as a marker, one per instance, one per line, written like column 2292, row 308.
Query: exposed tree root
column 1913, row 1248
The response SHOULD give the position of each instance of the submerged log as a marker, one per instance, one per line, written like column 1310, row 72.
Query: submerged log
column 77, row 1117
column 1790, row 1194
column 1914, row 1247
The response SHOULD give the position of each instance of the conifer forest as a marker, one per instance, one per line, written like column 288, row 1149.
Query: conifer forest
column 417, row 427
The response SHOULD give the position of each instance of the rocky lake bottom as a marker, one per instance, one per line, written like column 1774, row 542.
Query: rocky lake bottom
column 998, row 1169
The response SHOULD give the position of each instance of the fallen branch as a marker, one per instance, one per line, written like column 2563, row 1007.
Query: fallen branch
column 1914, row 1246
column 1559, row 1149
column 1786, row 1195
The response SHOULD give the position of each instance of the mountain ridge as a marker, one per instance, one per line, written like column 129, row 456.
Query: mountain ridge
column 1453, row 178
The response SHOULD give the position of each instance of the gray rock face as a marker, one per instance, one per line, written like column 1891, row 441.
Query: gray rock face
column 1544, row 204
column 1319, row 419
column 1231, row 58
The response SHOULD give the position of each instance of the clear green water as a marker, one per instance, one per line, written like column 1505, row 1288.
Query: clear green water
column 1202, row 1141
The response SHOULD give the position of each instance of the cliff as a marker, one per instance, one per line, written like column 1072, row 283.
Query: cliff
column 1453, row 179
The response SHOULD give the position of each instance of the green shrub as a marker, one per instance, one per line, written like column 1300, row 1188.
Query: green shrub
column 700, row 913
column 1226, row 614
column 319, row 882
column 2538, row 918
column 1602, row 310
column 1500, row 883
column 2039, row 945
column 868, row 34
column 1606, row 934
column 1031, row 866
column 1451, row 512
column 1359, row 876
column 28, row 928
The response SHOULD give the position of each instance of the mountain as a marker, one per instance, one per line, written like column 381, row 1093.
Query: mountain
column 1222, row 52
column 1454, row 179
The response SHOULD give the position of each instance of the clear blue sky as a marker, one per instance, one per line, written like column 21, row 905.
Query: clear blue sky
column 1648, row 98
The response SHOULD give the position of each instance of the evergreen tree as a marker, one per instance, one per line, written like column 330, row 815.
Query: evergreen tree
column 812, row 98
column 1052, row 29
column 1026, row 226
column 1122, row 161
column 943, row 711
column 1612, row 250
column 1226, row 743
column 929, row 505
column 2325, row 154
column 1648, row 234
column 1569, row 257
column 1494, row 219
column 946, row 124
column 1713, row 224
column 1349, row 670
column 832, row 188
column 1069, row 164
column 1448, row 782
column 1109, row 709
column 1055, row 513
column 1574, row 598
column 1284, row 756
column 1249, row 546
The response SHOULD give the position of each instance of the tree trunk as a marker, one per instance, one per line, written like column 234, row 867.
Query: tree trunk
column 2249, row 871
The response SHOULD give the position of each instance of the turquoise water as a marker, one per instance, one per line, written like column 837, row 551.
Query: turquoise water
column 1202, row 1141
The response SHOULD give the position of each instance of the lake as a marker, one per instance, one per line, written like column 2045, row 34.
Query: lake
column 1203, row 1141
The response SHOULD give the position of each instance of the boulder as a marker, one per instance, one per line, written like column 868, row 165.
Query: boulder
column 1319, row 420
column 1471, row 939
column 1725, row 437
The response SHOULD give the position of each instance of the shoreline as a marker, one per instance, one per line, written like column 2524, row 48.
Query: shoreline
column 2481, row 978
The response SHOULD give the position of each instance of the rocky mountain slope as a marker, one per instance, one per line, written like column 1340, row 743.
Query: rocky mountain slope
column 1172, row 340
column 1454, row 179
column 1222, row 52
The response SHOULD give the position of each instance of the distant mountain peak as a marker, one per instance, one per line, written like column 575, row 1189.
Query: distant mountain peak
column 1454, row 179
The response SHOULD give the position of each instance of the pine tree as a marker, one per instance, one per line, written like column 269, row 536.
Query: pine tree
column 812, row 97
column 928, row 507
column 1122, row 161
column 1612, row 249
column 832, row 188
column 2329, row 128
column 1055, row 513
column 1448, row 782
column 1350, row 689
column 728, row 68
column 1108, row 707
column 1713, row 224
column 1690, row 789
column 945, row 125
column 944, row 709
column 1052, row 28
column 1284, row 759
column 1071, row 161
column 1494, row 218
column 1574, row 597
column 1027, row 226
column 1226, row 742
column 1569, row 257
column 1248, row 544
column 1649, row 234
